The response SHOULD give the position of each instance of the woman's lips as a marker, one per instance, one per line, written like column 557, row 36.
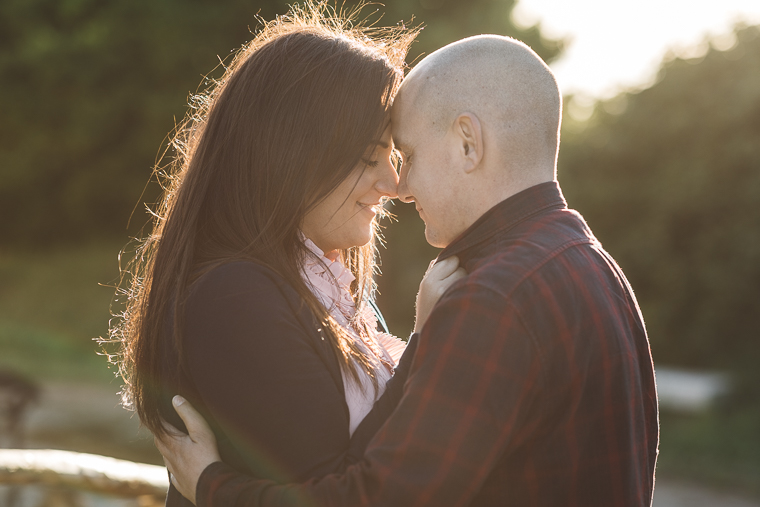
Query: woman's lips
column 371, row 208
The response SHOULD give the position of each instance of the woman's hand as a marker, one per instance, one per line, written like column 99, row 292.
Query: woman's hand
column 187, row 456
column 437, row 279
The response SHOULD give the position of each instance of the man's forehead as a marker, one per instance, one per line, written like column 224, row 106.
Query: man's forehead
column 400, row 142
column 401, row 119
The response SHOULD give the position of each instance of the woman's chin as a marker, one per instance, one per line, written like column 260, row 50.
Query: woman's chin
column 359, row 239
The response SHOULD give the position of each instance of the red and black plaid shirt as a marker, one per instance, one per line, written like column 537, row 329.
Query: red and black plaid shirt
column 532, row 384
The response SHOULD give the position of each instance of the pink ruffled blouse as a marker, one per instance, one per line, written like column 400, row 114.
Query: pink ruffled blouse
column 330, row 281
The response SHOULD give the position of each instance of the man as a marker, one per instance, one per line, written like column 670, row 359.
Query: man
column 532, row 384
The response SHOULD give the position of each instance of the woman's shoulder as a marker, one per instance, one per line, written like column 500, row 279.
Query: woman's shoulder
column 236, row 297
column 237, row 273
column 242, row 280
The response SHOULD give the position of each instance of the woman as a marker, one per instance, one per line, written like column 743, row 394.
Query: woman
column 252, row 296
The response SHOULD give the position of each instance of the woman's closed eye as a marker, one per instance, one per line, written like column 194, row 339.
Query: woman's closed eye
column 371, row 163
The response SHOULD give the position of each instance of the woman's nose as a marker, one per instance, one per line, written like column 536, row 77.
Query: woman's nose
column 387, row 181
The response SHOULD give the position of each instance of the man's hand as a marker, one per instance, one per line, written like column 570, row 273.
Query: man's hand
column 437, row 279
column 186, row 456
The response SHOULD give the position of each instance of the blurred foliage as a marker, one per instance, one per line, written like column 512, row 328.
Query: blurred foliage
column 89, row 89
column 669, row 180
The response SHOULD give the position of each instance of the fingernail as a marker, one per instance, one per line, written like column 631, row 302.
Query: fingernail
column 178, row 400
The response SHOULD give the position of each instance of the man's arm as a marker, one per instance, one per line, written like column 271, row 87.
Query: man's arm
column 468, row 398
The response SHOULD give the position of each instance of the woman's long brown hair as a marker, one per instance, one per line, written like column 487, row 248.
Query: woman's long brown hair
column 292, row 117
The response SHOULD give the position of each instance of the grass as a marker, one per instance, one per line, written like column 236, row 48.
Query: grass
column 719, row 448
column 52, row 307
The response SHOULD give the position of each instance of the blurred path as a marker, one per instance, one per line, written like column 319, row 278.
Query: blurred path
column 689, row 391
column 87, row 418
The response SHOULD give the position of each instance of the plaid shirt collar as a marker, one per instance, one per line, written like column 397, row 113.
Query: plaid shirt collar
column 502, row 217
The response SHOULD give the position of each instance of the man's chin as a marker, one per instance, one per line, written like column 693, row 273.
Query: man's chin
column 434, row 239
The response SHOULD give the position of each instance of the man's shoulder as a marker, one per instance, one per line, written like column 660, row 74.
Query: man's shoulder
column 556, row 271
column 550, row 232
column 522, row 254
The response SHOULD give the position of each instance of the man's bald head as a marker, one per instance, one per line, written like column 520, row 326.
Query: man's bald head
column 507, row 86
column 477, row 122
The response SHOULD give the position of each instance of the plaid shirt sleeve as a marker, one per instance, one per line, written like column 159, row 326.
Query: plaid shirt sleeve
column 476, row 372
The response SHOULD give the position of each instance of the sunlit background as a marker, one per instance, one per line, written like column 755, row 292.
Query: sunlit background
column 619, row 45
column 660, row 152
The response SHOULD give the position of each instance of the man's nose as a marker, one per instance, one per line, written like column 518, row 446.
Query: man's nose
column 387, row 182
column 403, row 189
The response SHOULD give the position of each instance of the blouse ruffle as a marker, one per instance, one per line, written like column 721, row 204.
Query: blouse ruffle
column 330, row 281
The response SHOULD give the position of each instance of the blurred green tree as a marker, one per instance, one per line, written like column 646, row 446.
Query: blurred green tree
column 89, row 88
column 669, row 180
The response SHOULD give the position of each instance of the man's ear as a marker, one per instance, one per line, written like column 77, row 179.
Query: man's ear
column 469, row 136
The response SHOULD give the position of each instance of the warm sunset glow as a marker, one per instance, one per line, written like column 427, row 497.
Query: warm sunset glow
column 615, row 45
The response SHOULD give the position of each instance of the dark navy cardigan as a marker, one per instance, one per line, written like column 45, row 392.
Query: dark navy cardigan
column 256, row 365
